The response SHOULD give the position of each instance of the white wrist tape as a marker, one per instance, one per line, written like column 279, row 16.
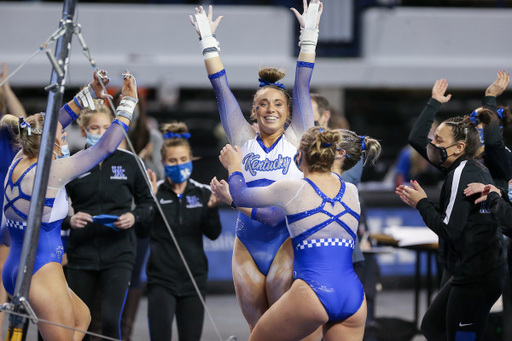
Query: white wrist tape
column 86, row 97
column 311, row 15
column 211, row 47
column 126, row 107
column 309, row 34
column 308, row 40
column 209, row 43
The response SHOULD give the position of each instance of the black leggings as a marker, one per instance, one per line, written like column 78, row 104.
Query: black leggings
column 460, row 313
column 113, row 285
column 162, row 305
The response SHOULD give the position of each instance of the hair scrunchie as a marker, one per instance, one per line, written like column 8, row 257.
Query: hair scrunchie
column 363, row 143
column 25, row 125
column 500, row 112
column 265, row 83
column 473, row 118
column 170, row 135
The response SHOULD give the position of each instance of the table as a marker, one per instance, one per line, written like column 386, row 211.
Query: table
column 431, row 250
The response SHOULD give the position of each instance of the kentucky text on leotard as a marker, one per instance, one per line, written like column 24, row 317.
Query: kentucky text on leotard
column 263, row 165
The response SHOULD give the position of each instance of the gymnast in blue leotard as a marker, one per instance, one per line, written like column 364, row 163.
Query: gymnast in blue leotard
column 262, row 257
column 49, row 295
column 322, row 215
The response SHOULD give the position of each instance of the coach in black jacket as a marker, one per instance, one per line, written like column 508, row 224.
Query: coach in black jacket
column 191, row 211
column 101, row 257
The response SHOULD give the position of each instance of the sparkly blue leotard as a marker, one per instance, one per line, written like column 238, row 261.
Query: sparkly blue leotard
column 17, row 201
column 335, row 283
column 49, row 248
column 264, row 165
column 322, row 253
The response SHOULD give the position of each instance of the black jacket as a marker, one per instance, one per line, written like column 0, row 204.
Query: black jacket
column 470, row 231
column 109, row 188
column 189, row 218
column 501, row 207
column 497, row 158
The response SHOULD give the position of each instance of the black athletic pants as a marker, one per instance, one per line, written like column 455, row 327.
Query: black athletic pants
column 113, row 285
column 162, row 306
column 460, row 313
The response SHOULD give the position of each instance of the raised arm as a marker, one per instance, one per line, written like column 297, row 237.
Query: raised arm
column 418, row 138
column 13, row 103
column 66, row 169
column 497, row 156
column 84, row 98
column 302, row 116
column 237, row 129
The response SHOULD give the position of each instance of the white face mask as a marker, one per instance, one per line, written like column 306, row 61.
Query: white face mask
column 92, row 139
column 64, row 149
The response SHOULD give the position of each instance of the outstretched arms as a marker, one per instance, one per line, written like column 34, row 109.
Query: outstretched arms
column 237, row 129
column 66, row 169
column 302, row 116
column 13, row 103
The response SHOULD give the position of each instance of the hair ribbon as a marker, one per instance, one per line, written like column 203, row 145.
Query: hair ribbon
column 363, row 143
column 265, row 83
column 170, row 135
column 25, row 125
column 473, row 118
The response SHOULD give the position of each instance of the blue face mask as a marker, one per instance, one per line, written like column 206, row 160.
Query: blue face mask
column 510, row 191
column 178, row 173
column 92, row 139
column 64, row 149
column 481, row 136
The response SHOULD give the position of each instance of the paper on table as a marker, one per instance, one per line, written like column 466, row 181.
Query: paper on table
column 411, row 235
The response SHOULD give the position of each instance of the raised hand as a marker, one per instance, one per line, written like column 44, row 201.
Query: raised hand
column 439, row 90
column 96, row 86
column 499, row 85
column 153, row 180
column 302, row 17
column 129, row 85
column 200, row 12
column 3, row 75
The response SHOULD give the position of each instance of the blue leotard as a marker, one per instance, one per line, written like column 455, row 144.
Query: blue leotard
column 335, row 283
column 49, row 247
column 17, row 199
column 264, row 165
column 331, row 238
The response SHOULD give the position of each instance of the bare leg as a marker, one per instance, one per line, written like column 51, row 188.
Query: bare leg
column 82, row 316
column 249, row 285
column 280, row 275
column 4, row 252
column 50, row 299
column 351, row 329
column 297, row 314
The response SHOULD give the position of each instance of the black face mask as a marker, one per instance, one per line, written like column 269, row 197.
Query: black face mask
column 437, row 155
